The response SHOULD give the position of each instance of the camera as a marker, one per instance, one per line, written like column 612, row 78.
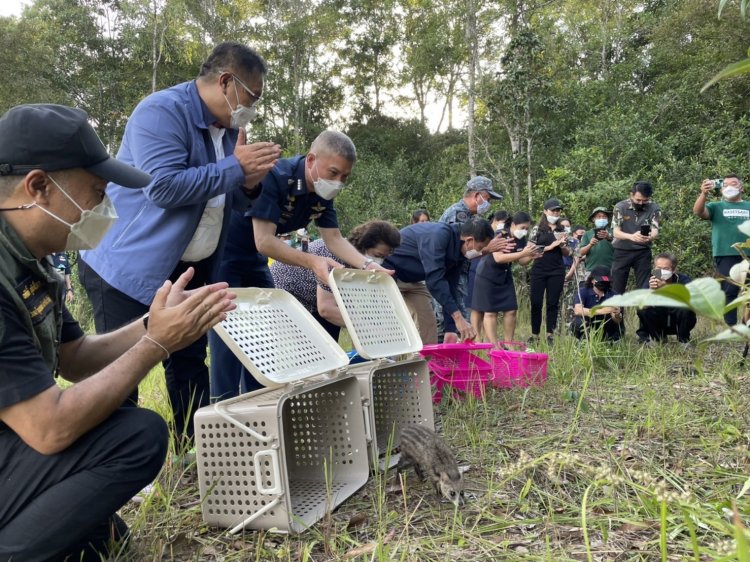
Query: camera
column 645, row 229
column 718, row 184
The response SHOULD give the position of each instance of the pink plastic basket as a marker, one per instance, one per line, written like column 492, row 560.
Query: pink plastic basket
column 454, row 365
column 514, row 366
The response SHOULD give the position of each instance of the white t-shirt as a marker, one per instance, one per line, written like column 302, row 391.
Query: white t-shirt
column 207, row 234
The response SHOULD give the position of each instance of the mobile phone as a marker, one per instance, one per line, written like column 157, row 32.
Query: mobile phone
column 645, row 229
column 539, row 248
column 656, row 272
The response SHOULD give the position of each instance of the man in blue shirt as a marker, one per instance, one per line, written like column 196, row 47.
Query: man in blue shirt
column 435, row 253
column 476, row 201
column 656, row 322
column 187, row 138
column 298, row 190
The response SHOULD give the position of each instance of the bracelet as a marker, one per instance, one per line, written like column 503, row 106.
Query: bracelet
column 144, row 319
column 69, row 289
column 368, row 261
column 152, row 340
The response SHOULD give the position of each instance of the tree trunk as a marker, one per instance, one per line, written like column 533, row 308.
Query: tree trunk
column 471, row 37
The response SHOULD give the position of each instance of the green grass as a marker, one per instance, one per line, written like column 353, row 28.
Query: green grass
column 624, row 454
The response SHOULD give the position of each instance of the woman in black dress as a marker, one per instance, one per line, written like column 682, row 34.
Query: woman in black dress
column 494, row 290
column 548, row 272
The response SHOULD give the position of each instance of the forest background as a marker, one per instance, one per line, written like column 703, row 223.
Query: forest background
column 567, row 98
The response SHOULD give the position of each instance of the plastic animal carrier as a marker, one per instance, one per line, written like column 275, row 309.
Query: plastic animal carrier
column 394, row 392
column 514, row 366
column 457, row 366
column 280, row 458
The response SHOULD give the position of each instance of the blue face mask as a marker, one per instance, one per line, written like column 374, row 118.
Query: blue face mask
column 483, row 207
column 601, row 223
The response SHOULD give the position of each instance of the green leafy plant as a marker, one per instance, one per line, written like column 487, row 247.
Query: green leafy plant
column 740, row 67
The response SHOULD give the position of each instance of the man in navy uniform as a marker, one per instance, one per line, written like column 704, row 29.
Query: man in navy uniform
column 298, row 190
column 428, row 264
column 476, row 201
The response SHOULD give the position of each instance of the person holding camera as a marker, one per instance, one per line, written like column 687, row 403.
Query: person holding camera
column 596, row 245
column 725, row 215
column 606, row 320
column 635, row 226
column 494, row 291
column 656, row 322
column 548, row 272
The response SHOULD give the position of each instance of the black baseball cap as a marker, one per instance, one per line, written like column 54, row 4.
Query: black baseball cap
column 56, row 137
column 552, row 204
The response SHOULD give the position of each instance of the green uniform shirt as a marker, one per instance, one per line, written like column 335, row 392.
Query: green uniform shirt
column 600, row 254
column 725, row 217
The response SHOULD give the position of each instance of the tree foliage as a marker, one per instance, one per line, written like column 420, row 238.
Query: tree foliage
column 573, row 99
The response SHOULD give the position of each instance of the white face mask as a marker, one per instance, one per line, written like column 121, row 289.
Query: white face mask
column 472, row 254
column 601, row 223
column 376, row 260
column 520, row 233
column 666, row 274
column 483, row 207
column 326, row 189
column 566, row 230
column 730, row 192
column 89, row 230
column 552, row 219
column 241, row 115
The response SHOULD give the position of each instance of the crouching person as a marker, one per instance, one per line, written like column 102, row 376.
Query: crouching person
column 70, row 458
column 606, row 320
column 657, row 322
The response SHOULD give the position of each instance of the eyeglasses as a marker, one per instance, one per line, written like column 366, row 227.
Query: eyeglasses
column 256, row 98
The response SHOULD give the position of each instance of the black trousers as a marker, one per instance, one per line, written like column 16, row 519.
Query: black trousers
column 657, row 322
column 229, row 378
column 625, row 260
column 610, row 329
column 723, row 264
column 62, row 504
column 185, row 371
column 552, row 286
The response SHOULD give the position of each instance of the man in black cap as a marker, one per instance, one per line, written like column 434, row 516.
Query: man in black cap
column 635, row 226
column 475, row 202
column 70, row 458
column 605, row 322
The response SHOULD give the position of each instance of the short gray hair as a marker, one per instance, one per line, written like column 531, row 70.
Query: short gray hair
column 334, row 142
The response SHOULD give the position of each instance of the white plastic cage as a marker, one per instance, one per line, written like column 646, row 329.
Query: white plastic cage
column 395, row 392
column 279, row 459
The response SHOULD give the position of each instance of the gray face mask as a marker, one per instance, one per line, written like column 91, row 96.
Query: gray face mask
column 241, row 115
column 89, row 230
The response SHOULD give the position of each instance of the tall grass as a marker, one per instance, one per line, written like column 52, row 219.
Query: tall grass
column 626, row 453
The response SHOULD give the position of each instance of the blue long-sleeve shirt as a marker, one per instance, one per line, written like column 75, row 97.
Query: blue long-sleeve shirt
column 167, row 136
column 430, row 252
